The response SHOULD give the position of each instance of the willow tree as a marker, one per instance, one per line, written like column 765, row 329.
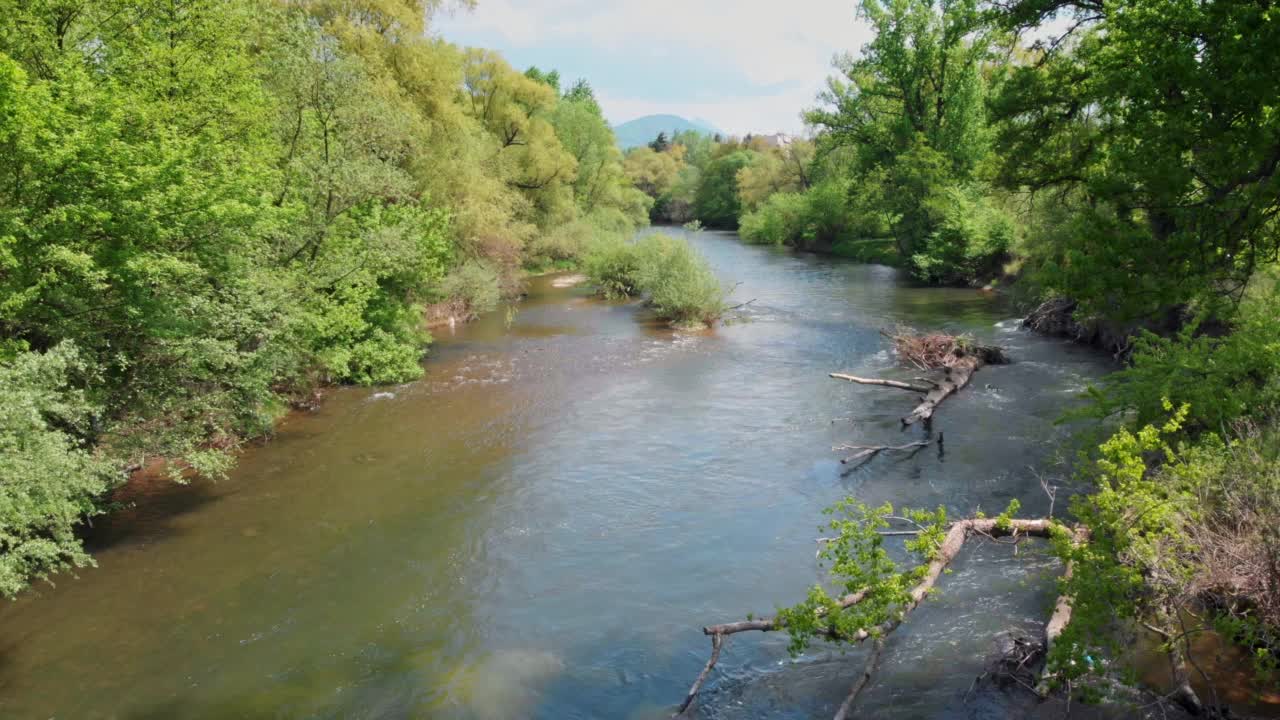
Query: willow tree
column 1157, row 123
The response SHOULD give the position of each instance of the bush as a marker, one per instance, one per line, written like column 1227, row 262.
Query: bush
column 1196, row 532
column 681, row 287
column 568, row 244
column 1222, row 378
column 613, row 266
column 823, row 218
column 51, row 482
column 565, row 243
column 971, row 241
column 675, row 280
column 475, row 285
column 780, row 220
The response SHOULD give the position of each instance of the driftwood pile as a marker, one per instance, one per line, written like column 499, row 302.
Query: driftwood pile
column 954, row 359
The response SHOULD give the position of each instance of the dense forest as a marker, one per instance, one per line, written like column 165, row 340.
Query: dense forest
column 211, row 208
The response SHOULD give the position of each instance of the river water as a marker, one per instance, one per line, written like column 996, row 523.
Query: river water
column 539, row 527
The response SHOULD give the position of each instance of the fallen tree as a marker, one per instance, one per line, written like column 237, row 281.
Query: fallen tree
column 885, row 596
column 957, row 357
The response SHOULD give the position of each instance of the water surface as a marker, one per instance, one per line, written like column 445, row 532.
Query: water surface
column 539, row 527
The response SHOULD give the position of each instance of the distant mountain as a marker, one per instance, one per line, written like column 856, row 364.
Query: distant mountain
column 642, row 131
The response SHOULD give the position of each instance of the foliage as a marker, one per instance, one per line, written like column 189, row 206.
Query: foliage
column 776, row 170
column 856, row 560
column 1174, row 530
column 475, row 285
column 51, row 482
column 674, row 279
column 716, row 202
column 780, row 220
column 971, row 238
column 1157, row 121
column 220, row 203
column 613, row 267
column 1221, row 376
column 678, row 283
column 911, row 106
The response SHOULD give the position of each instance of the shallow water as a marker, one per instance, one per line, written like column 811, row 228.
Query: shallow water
column 541, row 525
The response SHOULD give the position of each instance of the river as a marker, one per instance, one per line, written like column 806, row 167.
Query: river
column 540, row 526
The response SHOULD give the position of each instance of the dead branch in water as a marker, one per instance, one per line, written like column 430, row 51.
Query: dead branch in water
column 861, row 682
column 956, row 356
column 866, row 452
column 944, row 555
column 884, row 383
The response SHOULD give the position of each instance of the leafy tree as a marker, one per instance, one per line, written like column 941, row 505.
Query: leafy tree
column 912, row 106
column 550, row 78
column 660, row 144
column 1156, row 121
column 716, row 203
column 783, row 169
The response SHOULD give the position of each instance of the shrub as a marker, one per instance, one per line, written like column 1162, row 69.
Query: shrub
column 1196, row 532
column 971, row 241
column 612, row 265
column 681, row 287
column 51, row 482
column 475, row 285
column 676, row 281
column 565, row 243
column 780, row 220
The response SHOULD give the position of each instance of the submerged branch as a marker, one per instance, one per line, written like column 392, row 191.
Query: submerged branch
column 943, row 556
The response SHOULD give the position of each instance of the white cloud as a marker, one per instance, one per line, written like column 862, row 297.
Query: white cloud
column 771, row 45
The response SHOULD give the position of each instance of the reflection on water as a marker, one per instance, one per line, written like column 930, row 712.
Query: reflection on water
column 539, row 527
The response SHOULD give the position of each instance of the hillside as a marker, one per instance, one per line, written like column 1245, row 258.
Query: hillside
column 641, row 131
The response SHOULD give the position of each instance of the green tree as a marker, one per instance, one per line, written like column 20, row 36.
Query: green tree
column 1156, row 121
column 912, row 106
column 717, row 203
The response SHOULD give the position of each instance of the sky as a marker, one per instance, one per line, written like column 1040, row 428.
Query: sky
column 740, row 65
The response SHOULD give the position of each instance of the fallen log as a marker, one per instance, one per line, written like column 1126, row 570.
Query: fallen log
column 946, row 552
column 957, row 358
column 954, row 378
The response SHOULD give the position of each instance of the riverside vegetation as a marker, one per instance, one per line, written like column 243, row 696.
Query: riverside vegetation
column 1126, row 159
column 209, row 208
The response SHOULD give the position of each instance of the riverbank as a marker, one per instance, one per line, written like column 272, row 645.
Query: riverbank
column 485, row 543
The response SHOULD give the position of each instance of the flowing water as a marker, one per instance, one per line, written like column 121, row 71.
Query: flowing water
column 539, row 527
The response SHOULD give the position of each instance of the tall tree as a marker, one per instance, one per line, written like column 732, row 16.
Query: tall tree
column 912, row 106
column 1158, row 122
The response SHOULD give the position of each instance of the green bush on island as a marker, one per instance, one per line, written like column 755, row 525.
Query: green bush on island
column 674, row 279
